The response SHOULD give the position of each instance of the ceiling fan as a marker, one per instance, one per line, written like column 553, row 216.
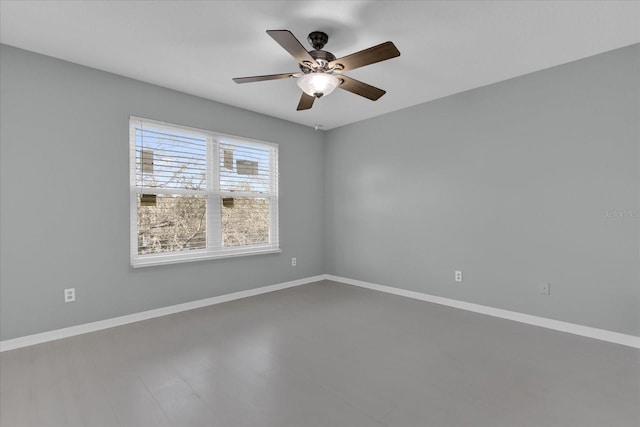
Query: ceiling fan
column 321, row 72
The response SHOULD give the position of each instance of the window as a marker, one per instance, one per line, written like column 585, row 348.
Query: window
column 197, row 194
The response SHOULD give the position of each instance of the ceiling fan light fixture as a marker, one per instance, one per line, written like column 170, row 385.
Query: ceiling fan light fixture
column 318, row 84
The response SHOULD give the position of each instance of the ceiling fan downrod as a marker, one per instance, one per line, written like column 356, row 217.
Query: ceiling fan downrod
column 317, row 39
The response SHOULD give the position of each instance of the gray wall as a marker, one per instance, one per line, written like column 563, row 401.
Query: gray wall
column 511, row 184
column 65, row 197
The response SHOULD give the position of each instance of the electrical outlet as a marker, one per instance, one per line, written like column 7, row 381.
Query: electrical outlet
column 458, row 276
column 293, row 262
column 545, row 288
column 70, row 295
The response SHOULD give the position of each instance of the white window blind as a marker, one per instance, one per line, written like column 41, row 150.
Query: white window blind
column 198, row 194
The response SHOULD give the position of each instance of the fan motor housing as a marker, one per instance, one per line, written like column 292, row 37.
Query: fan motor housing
column 322, row 57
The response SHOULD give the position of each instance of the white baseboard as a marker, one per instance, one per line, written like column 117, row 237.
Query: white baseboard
column 57, row 334
column 557, row 325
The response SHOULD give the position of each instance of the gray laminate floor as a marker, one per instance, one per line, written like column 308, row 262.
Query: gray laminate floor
column 323, row 354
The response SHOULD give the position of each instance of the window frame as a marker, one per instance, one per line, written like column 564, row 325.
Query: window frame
column 214, row 248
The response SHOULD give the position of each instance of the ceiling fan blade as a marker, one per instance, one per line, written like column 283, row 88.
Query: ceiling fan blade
column 306, row 102
column 374, row 54
column 263, row 78
column 359, row 88
column 291, row 44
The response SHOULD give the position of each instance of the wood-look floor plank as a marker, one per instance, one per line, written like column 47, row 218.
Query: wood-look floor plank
column 323, row 354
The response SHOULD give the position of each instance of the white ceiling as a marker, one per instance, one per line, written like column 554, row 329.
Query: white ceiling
column 198, row 46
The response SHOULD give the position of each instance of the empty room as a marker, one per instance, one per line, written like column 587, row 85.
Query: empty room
column 320, row 213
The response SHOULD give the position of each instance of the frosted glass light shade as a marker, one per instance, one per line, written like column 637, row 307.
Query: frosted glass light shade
column 318, row 84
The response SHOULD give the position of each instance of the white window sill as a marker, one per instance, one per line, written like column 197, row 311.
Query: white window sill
column 165, row 259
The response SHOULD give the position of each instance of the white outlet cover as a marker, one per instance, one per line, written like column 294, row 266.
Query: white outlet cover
column 70, row 295
column 545, row 288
